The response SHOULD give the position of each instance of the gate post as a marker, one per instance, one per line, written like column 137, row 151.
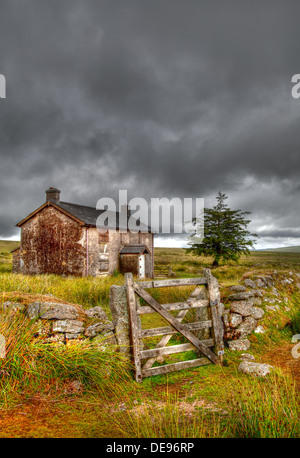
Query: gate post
column 134, row 328
column 119, row 311
column 214, row 301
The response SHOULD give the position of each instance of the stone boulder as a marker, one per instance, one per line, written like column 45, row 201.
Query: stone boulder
column 239, row 345
column 101, row 327
column 249, row 283
column 247, row 326
column 259, row 330
column 53, row 311
column 242, row 307
column 238, row 288
column 260, row 283
column 241, row 296
column 13, row 306
column 70, row 326
column 257, row 313
column 96, row 312
column 247, row 357
column 256, row 369
column 235, row 320
column 33, row 310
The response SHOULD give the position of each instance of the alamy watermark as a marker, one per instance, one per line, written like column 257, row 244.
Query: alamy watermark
column 296, row 88
column 2, row 87
column 296, row 348
column 2, row 346
column 160, row 215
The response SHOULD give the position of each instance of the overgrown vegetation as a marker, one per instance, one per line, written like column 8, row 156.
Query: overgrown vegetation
column 295, row 321
column 210, row 401
column 32, row 366
column 264, row 409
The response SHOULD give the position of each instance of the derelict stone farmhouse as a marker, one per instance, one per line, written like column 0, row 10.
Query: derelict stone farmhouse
column 62, row 238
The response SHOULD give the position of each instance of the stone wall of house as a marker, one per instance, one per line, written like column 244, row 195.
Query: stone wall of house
column 16, row 267
column 52, row 242
column 117, row 240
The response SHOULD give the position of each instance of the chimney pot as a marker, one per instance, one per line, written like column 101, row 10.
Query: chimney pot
column 53, row 194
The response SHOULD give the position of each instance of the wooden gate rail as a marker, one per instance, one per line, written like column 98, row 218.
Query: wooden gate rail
column 202, row 346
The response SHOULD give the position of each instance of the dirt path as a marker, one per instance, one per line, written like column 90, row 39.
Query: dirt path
column 76, row 417
column 36, row 419
column 282, row 357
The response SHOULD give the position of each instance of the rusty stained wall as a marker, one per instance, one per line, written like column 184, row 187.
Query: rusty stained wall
column 51, row 242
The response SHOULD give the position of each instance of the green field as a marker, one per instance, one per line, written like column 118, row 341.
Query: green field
column 5, row 256
column 210, row 401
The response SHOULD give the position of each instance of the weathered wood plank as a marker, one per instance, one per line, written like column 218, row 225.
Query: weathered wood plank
column 139, row 321
column 134, row 328
column 175, row 367
column 182, row 328
column 168, row 330
column 175, row 306
column 217, row 328
column 155, row 352
column 174, row 282
column 165, row 339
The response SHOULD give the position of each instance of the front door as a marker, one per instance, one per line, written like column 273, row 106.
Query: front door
column 142, row 266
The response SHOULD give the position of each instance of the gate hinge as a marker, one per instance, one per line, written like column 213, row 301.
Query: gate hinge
column 212, row 303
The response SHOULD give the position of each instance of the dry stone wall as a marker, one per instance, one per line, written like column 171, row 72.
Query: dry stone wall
column 247, row 303
column 60, row 322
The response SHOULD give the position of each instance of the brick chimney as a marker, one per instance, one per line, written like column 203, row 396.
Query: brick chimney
column 52, row 194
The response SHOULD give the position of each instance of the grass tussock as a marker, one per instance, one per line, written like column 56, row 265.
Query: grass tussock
column 264, row 409
column 89, row 292
column 33, row 366
column 295, row 321
column 165, row 419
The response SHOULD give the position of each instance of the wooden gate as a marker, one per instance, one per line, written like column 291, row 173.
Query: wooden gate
column 211, row 350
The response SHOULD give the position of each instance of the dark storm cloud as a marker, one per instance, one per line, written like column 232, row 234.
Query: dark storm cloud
column 163, row 98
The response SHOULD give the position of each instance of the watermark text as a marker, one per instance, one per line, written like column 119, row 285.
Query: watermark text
column 2, row 87
column 160, row 215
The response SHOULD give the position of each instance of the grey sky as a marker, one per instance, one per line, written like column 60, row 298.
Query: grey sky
column 165, row 98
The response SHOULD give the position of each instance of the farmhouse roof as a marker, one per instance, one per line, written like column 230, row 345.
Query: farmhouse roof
column 84, row 215
column 15, row 249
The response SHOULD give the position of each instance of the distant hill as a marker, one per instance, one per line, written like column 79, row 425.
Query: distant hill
column 8, row 245
column 285, row 249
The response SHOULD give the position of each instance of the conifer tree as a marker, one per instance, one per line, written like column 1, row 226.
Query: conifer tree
column 225, row 233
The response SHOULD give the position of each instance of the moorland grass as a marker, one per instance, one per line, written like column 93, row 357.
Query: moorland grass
column 31, row 365
column 229, row 404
